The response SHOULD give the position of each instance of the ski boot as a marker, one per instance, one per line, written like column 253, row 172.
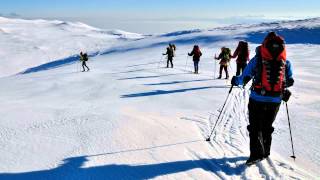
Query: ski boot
column 253, row 160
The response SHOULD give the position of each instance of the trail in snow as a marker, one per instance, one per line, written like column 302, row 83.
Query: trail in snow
column 231, row 140
column 145, row 141
column 130, row 119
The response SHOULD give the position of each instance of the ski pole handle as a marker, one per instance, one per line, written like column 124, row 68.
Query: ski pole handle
column 231, row 89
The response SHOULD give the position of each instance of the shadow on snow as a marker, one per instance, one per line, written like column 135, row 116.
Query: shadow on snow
column 73, row 169
column 55, row 64
column 164, row 92
column 144, row 64
column 147, row 77
column 177, row 82
column 52, row 65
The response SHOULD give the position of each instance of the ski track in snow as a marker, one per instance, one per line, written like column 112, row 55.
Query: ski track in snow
column 228, row 143
column 129, row 118
column 231, row 134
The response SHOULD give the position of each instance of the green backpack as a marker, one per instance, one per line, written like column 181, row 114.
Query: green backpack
column 226, row 54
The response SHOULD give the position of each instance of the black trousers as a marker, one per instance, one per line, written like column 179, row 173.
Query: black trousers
column 261, row 117
column 84, row 64
column 240, row 68
column 196, row 66
column 225, row 68
column 170, row 60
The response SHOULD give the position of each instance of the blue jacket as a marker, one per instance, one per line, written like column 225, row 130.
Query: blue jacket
column 249, row 71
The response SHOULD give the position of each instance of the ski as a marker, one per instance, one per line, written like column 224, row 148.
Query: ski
column 248, row 164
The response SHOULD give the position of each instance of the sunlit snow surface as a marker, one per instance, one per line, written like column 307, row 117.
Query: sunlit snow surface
column 131, row 118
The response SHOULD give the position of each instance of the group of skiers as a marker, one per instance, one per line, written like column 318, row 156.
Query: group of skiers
column 271, row 75
column 241, row 53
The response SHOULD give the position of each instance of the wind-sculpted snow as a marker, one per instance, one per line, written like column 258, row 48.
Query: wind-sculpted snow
column 129, row 117
column 292, row 36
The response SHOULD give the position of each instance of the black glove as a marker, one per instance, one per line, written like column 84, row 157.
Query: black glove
column 233, row 81
column 290, row 82
column 246, row 79
column 286, row 95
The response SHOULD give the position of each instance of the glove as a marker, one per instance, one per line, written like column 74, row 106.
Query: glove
column 234, row 81
column 246, row 79
column 290, row 82
column 286, row 95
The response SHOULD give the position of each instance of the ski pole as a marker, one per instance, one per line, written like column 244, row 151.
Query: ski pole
column 293, row 156
column 208, row 139
column 186, row 63
column 78, row 66
column 215, row 68
column 160, row 61
column 230, row 67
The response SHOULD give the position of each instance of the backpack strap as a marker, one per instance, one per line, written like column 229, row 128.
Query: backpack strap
column 258, row 69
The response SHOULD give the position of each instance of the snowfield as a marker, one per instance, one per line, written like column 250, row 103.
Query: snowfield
column 131, row 118
column 28, row 43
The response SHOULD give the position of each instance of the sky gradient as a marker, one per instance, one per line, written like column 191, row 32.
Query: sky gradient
column 124, row 13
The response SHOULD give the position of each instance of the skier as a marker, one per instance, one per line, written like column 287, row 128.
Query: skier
column 272, row 75
column 170, row 55
column 225, row 57
column 84, row 58
column 242, row 52
column 174, row 48
column 196, row 53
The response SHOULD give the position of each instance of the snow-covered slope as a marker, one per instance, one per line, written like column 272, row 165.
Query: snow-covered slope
column 130, row 118
column 27, row 43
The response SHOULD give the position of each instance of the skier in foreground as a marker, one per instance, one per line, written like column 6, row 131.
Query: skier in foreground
column 242, row 52
column 84, row 58
column 225, row 57
column 196, row 53
column 272, row 75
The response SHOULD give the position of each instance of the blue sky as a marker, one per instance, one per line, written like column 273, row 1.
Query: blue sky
column 104, row 12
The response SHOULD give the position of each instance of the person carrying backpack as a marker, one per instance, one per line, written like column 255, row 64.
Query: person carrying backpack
column 225, row 57
column 196, row 53
column 174, row 48
column 272, row 75
column 242, row 52
column 84, row 58
column 170, row 55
